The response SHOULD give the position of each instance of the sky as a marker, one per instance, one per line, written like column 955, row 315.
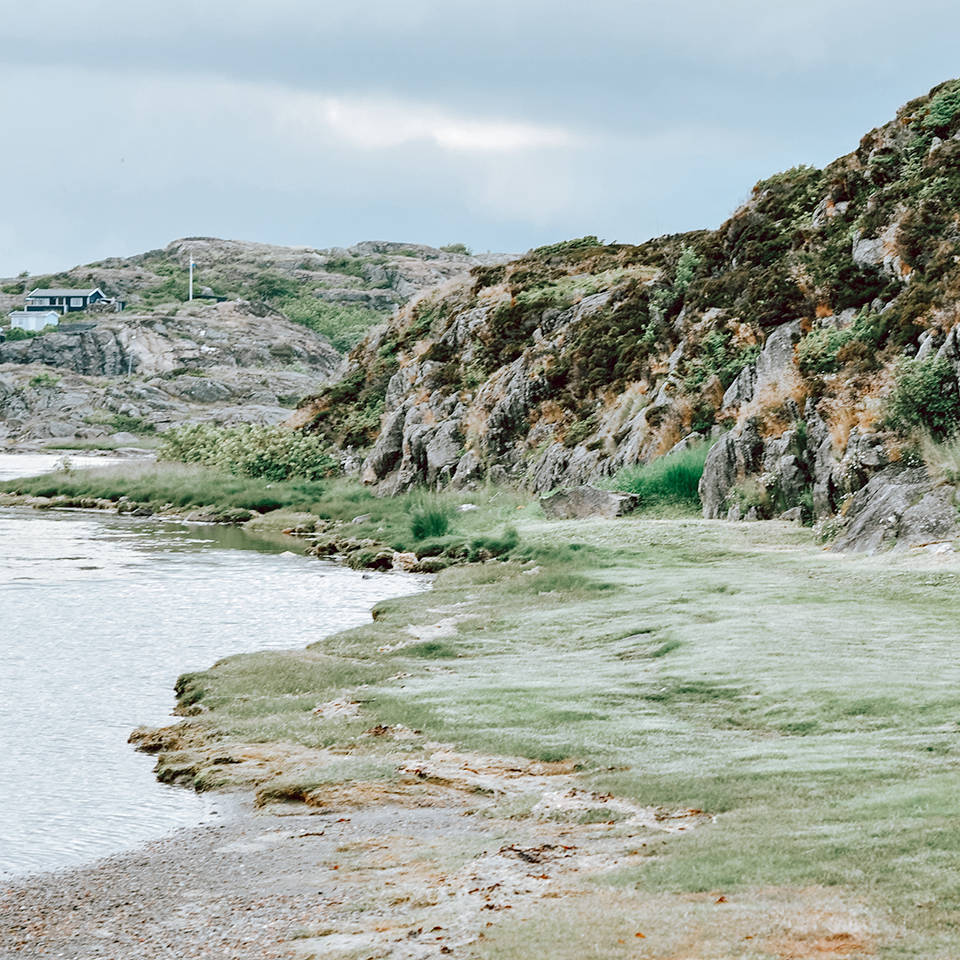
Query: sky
column 504, row 124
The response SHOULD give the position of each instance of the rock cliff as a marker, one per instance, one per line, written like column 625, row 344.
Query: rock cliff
column 813, row 337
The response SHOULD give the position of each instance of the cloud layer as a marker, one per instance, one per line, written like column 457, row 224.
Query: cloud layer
column 502, row 125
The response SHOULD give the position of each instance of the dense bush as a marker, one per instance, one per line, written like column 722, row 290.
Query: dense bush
column 271, row 453
column 826, row 349
column 343, row 325
column 718, row 356
column 124, row 423
column 925, row 395
column 15, row 333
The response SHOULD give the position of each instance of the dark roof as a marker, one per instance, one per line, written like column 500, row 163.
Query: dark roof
column 63, row 292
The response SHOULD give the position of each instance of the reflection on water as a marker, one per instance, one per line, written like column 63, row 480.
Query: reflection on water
column 98, row 616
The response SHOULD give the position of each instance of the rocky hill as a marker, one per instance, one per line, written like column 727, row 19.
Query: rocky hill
column 813, row 337
column 340, row 292
column 164, row 361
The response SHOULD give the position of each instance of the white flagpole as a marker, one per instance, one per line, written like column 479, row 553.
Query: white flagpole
column 191, row 276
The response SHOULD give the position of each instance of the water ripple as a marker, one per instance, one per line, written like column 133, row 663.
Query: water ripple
column 98, row 617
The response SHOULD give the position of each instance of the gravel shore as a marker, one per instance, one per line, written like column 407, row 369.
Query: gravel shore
column 251, row 887
column 410, row 870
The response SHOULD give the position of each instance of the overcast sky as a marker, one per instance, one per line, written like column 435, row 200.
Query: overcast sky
column 503, row 124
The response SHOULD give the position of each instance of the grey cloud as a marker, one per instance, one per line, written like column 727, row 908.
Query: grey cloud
column 674, row 110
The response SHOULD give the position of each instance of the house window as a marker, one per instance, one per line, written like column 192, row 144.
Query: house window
column 76, row 301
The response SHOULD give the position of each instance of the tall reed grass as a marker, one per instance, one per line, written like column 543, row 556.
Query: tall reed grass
column 673, row 479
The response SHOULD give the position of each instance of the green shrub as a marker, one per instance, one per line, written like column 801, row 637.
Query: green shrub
column 925, row 396
column 42, row 380
column 822, row 350
column 270, row 453
column 124, row 423
column 461, row 248
column 429, row 517
column 497, row 545
column 566, row 246
column 343, row 325
column 348, row 265
column 670, row 479
column 943, row 107
column 718, row 356
column 16, row 333
column 270, row 286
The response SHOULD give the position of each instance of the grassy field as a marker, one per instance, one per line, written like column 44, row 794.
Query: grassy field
column 808, row 701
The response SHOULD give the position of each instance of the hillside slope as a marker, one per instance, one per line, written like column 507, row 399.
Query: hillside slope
column 224, row 363
column 788, row 332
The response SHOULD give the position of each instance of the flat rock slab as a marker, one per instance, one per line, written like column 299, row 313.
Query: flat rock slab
column 587, row 501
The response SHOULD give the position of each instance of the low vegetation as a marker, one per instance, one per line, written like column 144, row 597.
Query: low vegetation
column 673, row 479
column 926, row 397
column 661, row 657
column 156, row 487
column 343, row 325
column 268, row 453
column 340, row 511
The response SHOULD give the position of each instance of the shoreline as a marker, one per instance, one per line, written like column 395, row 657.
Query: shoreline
column 614, row 732
column 210, row 799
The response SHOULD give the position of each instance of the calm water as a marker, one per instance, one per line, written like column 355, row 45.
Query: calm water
column 98, row 616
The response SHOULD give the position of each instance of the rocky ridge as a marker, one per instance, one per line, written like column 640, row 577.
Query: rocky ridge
column 782, row 336
column 378, row 275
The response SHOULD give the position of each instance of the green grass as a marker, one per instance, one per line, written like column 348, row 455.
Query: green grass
column 672, row 479
column 405, row 522
column 179, row 485
column 344, row 325
column 430, row 517
column 809, row 702
column 103, row 444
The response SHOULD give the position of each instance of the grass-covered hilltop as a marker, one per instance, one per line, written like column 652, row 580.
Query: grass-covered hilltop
column 815, row 330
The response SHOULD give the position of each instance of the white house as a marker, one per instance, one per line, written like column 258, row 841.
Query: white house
column 33, row 319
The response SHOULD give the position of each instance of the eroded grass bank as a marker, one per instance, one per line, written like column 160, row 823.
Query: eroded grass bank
column 807, row 702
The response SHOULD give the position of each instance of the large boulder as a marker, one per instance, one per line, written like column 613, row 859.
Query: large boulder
column 734, row 457
column 587, row 501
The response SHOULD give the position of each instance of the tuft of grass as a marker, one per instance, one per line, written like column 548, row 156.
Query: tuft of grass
column 673, row 479
column 942, row 459
column 430, row 516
